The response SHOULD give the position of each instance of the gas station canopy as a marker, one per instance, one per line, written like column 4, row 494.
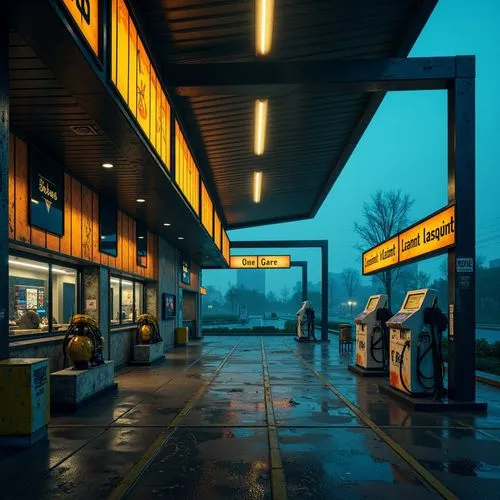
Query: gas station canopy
column 310, row 133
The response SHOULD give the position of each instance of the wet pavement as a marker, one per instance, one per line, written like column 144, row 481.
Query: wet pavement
column 197, row 426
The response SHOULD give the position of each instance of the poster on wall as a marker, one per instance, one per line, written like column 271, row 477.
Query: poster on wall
column 185, row 270
column 46, row 196
column 168, row 308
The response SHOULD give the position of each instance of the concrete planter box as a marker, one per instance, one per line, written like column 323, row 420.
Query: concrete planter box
column 71, row 388
column 146, row 354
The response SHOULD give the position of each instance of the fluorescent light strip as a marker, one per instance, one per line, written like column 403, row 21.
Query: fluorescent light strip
column 37, row 266
column 260, row 126
column 257, row 186
column 264, row 26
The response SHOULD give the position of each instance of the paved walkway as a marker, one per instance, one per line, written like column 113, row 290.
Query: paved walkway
column 252, row 418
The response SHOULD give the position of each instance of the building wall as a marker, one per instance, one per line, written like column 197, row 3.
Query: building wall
column 81, row 222
column 168, row 279
column 122, row 342
column 81, row 241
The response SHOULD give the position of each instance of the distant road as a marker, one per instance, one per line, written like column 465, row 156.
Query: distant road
column 490, row 333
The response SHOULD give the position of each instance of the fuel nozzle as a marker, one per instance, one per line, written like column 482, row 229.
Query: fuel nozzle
column 434, row 316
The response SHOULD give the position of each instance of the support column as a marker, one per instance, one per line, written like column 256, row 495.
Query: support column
column 324, row 291
column 4, row 182
column 462, row 285
column 96, row 301
column 304, row 281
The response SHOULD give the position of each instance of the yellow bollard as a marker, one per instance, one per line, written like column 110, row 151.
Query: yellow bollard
column 182, row 335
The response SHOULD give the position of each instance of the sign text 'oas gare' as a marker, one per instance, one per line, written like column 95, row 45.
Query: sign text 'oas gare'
column 432, row 235
column 260, row 262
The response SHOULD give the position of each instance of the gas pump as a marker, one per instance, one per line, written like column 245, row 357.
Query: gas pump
column 416, row 362
column 305, row 318
column 372, row 340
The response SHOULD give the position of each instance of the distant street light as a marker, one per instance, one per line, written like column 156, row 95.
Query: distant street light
column 351, row 303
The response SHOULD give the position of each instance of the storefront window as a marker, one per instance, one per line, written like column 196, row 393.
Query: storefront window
column 127, row 306
column 64, row 297
column 139, row 299
column 114, row 297
column 31, row 309
column 127, row 300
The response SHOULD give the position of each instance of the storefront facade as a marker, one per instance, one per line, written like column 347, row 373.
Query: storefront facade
column 77, row 242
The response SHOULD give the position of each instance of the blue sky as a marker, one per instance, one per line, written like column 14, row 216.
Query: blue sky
column 405, row 147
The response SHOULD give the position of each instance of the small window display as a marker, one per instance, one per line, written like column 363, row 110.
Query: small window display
column 31, row 309
column 126, row 300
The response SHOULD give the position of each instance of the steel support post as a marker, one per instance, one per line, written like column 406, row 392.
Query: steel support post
column 304, row 282
column 303, row 265
column 462, row 285
column 324, row 291
column 4, row 182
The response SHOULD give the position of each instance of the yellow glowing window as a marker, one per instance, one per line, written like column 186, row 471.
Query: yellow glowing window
column 137, row 81
column 207, row 210
column 217, row 230
column 187, row 176
column 86, row 15
column 225, row 246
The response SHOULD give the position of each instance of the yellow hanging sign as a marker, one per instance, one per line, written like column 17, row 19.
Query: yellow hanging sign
column 86, row 15
column 243, row 262
column 260, row 262
column 384, row 255
column 429, row 236
column 137, row 81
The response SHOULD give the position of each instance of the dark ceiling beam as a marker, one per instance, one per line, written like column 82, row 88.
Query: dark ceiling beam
column 337, row 75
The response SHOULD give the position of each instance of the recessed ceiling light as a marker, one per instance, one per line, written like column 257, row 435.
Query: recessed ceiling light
column 107, row 165
column 140, row 200
column 166, row 224
column 180, row 237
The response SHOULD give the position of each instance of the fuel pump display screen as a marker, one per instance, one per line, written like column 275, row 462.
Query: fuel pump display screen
column 371, row 304
column 413, row 302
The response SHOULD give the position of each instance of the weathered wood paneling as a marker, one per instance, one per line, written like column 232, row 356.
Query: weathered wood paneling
column 86, row 223
column 96, row 256
column 12, row 186
column 22, row 229
column 76, row 218
column 66, row 238
column 81, row 221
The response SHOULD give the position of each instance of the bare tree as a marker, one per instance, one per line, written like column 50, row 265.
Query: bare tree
column 423, row 279
column 351, row 281
column 384, row 215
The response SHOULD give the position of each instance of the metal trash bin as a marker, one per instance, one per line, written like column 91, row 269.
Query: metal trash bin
column 182, row 335
column 345, row 336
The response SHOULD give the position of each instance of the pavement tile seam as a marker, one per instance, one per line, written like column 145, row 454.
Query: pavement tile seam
column 128, row 482
column 104, row 428
column 422, row 471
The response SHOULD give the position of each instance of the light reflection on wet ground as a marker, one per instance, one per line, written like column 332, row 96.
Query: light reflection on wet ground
column 220, row 449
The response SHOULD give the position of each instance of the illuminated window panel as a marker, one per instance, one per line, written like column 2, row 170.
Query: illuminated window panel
column 86, row 17
column 217, row 231
column 225, row 246
column 137, row 81
column 207, row 210
column 187, row 176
